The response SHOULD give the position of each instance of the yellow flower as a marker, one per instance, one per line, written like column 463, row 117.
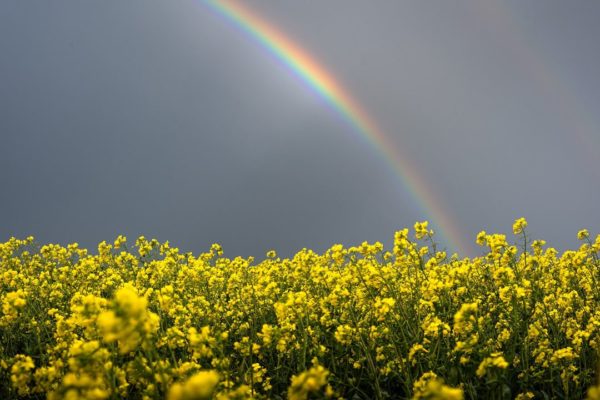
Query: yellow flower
column 307, row 382
column 481, row 238
column 119, row 242
column 464, row 318
column 583, row 234
column 421, row 229
column 201, row 343
column 271, row 254
column 343, row 334
column 430, row 387
column 566, row 354
column 266, row 334
column 593, row 393
column 21, row 373
column 80, row 386
column 199, row 386
column 383, row 307
column 525, row 396
column 12, row 304
column 519, row 225
column 495, row 360
column 88, row 326
column 416, row 348
column 129, row 322
column 432, row 327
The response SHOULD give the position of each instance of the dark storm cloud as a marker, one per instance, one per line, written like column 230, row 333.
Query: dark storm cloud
column 158, row 118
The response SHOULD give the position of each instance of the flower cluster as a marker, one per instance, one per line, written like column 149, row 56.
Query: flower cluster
column 147, row 321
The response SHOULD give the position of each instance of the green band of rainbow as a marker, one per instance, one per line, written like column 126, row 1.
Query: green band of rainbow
column 319, row 80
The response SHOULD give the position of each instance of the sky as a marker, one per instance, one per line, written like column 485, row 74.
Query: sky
column 169, row 120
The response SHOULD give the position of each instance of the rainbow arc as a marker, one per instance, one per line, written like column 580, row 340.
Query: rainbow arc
column 318, row 79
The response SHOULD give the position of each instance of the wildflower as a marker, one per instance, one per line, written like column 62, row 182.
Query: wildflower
column 119, row 242
column 80, row 386
column 583, row 234
column 525, row 396
column 307, row 382
column 242, row 392
column 593, row 393
column 414, row 350
column 129, row 322
column 85, row 309
column 266, row 334
column 259, row 376
column 383, row 307
column 519, row 225
column 537, row 246
column 596, row 245
column 343, row 334
column 12, row 303
column 465, row 317
column 566, row 354
column 271, row 254
column 369, row 314
column 430, row 387
column 199, row 386
column 432, row 327
column 21, row 374
column 217, row 249
column 495, row 360
column 481, row 238
column 421, row 229
column 400, row 241
column 166, row 298
column 201, row 343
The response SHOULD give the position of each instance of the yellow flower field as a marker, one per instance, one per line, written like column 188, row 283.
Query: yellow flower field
column 146, row 321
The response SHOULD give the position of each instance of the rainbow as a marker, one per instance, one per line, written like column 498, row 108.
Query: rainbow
column 303, row 66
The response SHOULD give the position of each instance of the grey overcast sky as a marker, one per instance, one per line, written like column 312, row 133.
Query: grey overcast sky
column 161, row 118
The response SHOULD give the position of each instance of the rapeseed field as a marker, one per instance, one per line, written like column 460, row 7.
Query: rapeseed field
column 146, row 321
